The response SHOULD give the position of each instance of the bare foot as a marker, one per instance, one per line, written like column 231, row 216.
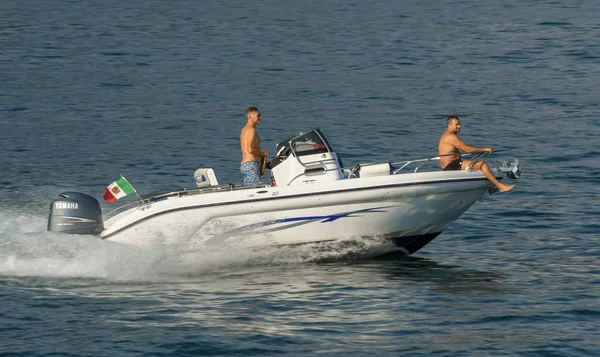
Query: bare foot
column 505, row 188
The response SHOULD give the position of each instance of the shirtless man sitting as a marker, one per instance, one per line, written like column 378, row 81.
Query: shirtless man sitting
column 252, row 155
column 450, row 144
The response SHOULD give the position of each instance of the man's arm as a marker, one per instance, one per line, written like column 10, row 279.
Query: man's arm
column 462, row 146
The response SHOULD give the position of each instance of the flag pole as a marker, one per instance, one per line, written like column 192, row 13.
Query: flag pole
column 134, row 190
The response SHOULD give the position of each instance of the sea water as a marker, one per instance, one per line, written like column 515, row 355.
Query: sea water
column 154, row 90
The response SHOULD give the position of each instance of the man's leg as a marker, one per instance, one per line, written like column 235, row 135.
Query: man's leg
column 250, row 173
column 255, row 173
column 487, row 172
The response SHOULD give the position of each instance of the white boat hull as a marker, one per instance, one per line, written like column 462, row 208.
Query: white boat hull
column 402, row 208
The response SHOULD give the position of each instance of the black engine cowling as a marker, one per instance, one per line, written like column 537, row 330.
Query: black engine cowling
column 75, row 213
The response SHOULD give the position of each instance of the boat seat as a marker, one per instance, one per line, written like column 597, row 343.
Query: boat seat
column 205, row 177
column 371, row 170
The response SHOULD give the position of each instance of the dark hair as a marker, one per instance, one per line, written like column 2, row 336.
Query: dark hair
column 251, row 110
column 454, row 116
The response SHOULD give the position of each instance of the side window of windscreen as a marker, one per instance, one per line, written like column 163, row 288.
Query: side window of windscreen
column 309, row 144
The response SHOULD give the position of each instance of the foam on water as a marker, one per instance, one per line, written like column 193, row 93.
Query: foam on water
column 27, row 249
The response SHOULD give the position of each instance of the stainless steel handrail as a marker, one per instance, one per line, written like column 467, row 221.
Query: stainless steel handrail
column 403, row 164
column 178, row 193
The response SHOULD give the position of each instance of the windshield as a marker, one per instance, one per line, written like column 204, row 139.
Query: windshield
column 309, row 144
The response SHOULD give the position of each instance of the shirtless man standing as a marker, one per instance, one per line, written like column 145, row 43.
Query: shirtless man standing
column 251, row 152
column 450, row 144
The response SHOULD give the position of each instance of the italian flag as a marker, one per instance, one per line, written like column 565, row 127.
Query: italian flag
column 117, row 189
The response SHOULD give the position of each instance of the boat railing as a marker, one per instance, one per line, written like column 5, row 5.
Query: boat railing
column 151, row 198
column 397, row 167
column 418, row 163
column 119, row 209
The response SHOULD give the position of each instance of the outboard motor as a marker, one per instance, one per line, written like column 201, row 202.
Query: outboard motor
column 75, row 213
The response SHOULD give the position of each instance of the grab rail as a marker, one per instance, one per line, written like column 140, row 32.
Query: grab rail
column 398, row 166
column 159, row 196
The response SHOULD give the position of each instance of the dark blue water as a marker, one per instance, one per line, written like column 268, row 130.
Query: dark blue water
column 155, row 89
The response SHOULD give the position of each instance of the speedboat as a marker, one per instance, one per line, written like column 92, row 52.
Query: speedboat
column 310, row 198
